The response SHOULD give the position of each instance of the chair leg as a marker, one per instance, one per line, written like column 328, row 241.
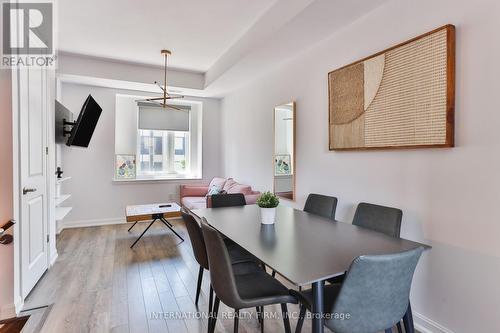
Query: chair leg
column 211, row 300
column 273, row 274
column 198, row 288
column 408, row 321
column 257, row 310
column 262, row 319
column 400, row 330
column 300, row 321
column 286, row 320
column 236, row 320
column 213, row 319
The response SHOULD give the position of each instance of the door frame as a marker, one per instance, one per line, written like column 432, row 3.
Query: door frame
column 17, row 185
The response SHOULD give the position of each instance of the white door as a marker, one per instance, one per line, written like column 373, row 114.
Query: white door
column 32, row 102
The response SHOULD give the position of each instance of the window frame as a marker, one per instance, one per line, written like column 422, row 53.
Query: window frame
column 194, row 154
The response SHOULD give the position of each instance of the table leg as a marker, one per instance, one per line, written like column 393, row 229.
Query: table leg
column 318, row 307
column 408, row 321
column 167, row 221
column 171, row 228
column 149, row 226
column 132, row 226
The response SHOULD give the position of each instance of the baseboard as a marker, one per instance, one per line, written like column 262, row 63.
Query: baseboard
column 19, row 304
column 53, row 259
column 88, row 223
column 8, row 311
column 426, row 325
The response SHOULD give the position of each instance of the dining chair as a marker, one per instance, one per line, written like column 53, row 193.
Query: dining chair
column 383, row 219
column 386, row 220
column 255, row 289
column 375, row 294
column 378, row 218
column 236, row 253
column 321, row 205
column 228, row 200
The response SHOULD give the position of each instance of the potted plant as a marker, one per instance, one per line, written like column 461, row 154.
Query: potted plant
column 268, row 202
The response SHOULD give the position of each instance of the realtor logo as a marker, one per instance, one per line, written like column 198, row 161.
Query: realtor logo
column 28, row 34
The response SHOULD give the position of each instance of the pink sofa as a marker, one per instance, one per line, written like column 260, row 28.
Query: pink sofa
column 195, row 196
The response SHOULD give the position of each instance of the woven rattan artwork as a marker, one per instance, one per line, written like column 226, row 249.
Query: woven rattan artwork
column 400, row 98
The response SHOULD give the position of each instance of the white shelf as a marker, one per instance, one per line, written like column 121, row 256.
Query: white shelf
column 62, row 198
column 61, row 212
column 61, row 180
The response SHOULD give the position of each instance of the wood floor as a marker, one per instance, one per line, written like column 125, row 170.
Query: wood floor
column 99, row 284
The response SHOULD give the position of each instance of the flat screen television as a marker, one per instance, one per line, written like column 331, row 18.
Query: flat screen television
column 84, row 127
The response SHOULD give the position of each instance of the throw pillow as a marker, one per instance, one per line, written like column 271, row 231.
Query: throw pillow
column 214, row 190
column 220, row 182
column 229, row 183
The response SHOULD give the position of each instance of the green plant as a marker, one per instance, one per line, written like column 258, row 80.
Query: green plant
column 268, row 200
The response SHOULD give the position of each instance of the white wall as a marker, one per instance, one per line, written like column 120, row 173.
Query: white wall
column 449, row 196
column 95, row 197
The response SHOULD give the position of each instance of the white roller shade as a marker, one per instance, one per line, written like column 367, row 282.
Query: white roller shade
column 152, row 117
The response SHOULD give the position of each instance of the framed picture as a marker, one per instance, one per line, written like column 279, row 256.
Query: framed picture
column 403, row 97
column 282, row 164
column 125, row 167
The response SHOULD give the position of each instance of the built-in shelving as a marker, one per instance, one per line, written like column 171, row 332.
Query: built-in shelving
column 61, row 212
column 62, row 180
column 62, row 198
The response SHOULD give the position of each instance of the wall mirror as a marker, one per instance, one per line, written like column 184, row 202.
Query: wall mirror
column 284, row 151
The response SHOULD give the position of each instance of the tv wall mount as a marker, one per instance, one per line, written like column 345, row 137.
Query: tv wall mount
column 67, row 123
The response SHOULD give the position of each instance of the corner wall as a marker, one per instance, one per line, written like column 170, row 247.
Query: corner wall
column 449, row 196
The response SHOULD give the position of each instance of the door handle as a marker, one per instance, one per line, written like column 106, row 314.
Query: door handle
column 6, row 239
column 28, row 190
column 6, row 227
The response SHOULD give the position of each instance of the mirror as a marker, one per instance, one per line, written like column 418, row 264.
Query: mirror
column 284, row 151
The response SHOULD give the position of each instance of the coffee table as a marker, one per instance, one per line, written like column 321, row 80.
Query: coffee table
column 153, row 212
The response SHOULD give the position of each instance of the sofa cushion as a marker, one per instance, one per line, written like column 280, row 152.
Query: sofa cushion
column 194, row 202
column 193, row 190
column 219, row 182
column 240, row 188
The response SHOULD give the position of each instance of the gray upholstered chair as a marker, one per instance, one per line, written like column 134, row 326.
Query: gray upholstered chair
column 241, row 291
column 321, row 205
column 378, row 218
column 237, row 254
column 228, row 200
column 383, row 219
column 386, row 220
column 375, row 294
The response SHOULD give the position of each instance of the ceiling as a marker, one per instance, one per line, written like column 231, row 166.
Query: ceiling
column 196, row 31
column 225, row 42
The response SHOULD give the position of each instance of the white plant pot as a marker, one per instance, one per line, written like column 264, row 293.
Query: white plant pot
column 268, row 215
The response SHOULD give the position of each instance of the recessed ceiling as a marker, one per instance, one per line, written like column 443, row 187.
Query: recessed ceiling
column 197, row 31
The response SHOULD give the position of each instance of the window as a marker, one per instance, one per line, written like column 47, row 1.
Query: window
column 162, row 153
column 166, row 143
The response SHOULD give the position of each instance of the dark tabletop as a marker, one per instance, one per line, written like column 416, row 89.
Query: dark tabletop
column 302, row 247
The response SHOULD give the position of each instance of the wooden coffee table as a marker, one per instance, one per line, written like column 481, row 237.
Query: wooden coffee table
column 153, row 212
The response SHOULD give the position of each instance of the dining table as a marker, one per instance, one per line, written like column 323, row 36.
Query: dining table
column 304, row 248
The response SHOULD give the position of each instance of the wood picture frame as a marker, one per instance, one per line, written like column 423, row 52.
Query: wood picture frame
column 342, row 126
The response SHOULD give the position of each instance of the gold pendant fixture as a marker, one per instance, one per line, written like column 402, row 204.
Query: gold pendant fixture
column 162, row 101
